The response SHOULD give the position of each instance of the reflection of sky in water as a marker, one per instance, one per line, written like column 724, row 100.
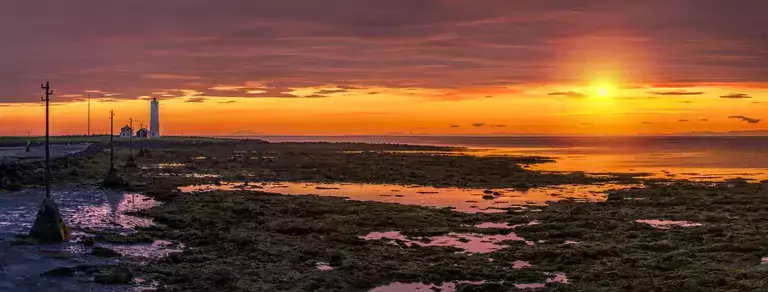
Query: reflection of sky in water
column 666, row 224
column 20, row 266
column 82, row 208
column 670, row 162
column 464, row 200
column 451, row 286
column 470, row 243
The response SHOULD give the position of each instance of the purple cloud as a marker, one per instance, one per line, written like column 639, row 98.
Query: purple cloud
column 436, row 44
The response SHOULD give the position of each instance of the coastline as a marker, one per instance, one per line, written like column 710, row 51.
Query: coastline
column 257, row 239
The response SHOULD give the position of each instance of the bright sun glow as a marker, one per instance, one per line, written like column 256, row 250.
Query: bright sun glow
column 603, row 90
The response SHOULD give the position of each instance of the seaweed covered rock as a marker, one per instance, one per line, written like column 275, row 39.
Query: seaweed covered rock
column 114, row 275
column 59, row 272
column 105, row 252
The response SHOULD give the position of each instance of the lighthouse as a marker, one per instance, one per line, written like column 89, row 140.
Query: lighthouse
column 154, row 119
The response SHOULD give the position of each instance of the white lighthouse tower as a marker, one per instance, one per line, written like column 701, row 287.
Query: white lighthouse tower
column 154, row 119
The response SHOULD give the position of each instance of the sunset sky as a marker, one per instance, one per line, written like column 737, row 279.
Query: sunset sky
column 334, row 67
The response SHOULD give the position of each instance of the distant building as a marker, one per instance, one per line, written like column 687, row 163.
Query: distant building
column 142, row 133
column 154, row 119
column 126, row 132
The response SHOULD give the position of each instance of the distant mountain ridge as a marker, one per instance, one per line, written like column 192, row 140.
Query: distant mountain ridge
column 729, row 133
column 245, row 133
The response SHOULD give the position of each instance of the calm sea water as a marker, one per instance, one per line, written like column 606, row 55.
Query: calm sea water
column 690, row 157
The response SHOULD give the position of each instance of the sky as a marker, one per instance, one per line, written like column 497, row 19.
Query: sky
column 353, row 67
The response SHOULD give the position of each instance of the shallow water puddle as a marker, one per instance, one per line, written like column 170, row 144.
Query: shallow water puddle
column 519, row 265
column 190, row 175
column 323, row 266
column 164, row 166
column 83, row 210
column 556, row 278
column 88, row 208
column 667, row 224
column 451, row 286
column 462, row 199
column 469, row 242
column 415, row 287
column 504, row 225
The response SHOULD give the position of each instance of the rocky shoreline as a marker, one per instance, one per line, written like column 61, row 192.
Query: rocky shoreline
column 706, row 237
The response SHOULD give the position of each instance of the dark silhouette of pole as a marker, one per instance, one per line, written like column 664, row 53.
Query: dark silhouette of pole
column 47, row 99
column 130, row 137
column 112, row 180
column 48, row 226
column 112, row 138
column 131, row 162
column 89, row 114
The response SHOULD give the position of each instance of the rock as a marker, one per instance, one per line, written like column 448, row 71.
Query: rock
column 488, row 192
column 89, row 241
column 613, row 197
column 488, row 197
column 104, row 252
column 114, row 275
column 24, row 241
column 59, row 272
column 579, row 210
column 63, row 255
column 337, row 259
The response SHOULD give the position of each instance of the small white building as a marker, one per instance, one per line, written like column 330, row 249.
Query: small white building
column 142, row 133
column 126, row 132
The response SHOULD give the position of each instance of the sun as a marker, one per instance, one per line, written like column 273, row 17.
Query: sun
column 603, row 90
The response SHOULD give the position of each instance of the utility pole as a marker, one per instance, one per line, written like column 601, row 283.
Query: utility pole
column 130, row 137
column 112, row 180
column 47, row 99
column 112, row 139
column 131, row 163
column 89, row 114
column 142, row 139
column 48, row 226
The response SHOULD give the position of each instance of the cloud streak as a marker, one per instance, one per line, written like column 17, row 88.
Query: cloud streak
column 197, row 99
column 746, row 119
column 567, row 94
column 676, row 93
column 736, row 96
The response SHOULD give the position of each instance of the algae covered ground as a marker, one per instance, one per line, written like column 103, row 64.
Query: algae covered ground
column 713, row 237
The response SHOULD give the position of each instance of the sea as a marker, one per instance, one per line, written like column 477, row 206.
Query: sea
column 676, row 157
